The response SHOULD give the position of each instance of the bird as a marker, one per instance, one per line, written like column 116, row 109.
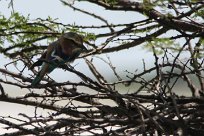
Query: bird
column 65, row 50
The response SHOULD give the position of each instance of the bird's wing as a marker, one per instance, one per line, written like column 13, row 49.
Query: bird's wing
column 46, row 66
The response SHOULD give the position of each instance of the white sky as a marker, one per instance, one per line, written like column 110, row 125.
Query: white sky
column 124, row 60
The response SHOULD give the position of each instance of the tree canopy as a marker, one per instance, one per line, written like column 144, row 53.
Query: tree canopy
column 167, row 28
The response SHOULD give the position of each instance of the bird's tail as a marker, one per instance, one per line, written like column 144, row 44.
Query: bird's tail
column 36, row 80
column 41, row 74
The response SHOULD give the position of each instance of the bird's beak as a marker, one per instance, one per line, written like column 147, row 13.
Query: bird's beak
column 85, row 49
column 82, row 48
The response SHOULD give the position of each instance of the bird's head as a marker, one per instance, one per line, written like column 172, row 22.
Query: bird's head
column 71, row 43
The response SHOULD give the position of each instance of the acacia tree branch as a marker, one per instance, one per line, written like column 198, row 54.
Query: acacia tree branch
column 12, row 125
column 162, row 19
column 91, row 14
column 2, row 90
column 136, row 42
column 140, row 103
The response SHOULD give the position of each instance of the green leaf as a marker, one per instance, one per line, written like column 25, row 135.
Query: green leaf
column 161, row 44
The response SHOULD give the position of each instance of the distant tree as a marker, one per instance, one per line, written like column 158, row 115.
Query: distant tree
column 169, row 29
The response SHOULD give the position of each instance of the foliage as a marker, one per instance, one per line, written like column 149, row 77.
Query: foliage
column 161, row 44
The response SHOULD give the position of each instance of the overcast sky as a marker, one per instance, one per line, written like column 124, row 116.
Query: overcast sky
column 124, row 60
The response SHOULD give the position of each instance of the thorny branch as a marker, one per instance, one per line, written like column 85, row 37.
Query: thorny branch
column 136, row 104
column 129, row 110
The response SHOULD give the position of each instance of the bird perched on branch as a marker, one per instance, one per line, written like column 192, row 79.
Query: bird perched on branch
column 65, row 50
